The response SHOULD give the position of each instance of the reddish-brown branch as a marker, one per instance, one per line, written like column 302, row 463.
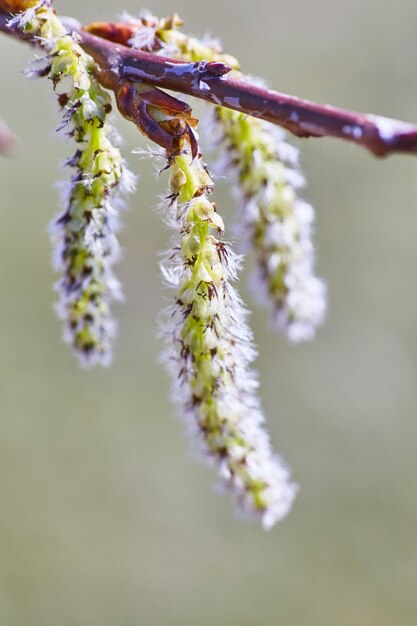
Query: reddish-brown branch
column 303, row 118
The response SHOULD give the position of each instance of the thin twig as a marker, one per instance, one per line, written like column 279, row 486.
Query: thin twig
column 211, row 82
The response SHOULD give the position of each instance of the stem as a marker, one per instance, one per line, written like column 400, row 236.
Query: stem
column 380, row 135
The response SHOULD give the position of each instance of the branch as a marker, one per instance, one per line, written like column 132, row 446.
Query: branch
column 210, row 82
column 8, row 141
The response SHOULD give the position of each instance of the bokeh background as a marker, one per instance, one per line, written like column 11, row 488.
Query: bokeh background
column 105, row 520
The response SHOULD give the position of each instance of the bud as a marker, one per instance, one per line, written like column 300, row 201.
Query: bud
column 16, row 6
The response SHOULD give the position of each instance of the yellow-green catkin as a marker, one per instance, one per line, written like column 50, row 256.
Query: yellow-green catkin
column 274, row 221
column 84, row 234
column 210, row 349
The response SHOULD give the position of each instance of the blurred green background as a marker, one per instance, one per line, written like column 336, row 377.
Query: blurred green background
column 104, row 518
